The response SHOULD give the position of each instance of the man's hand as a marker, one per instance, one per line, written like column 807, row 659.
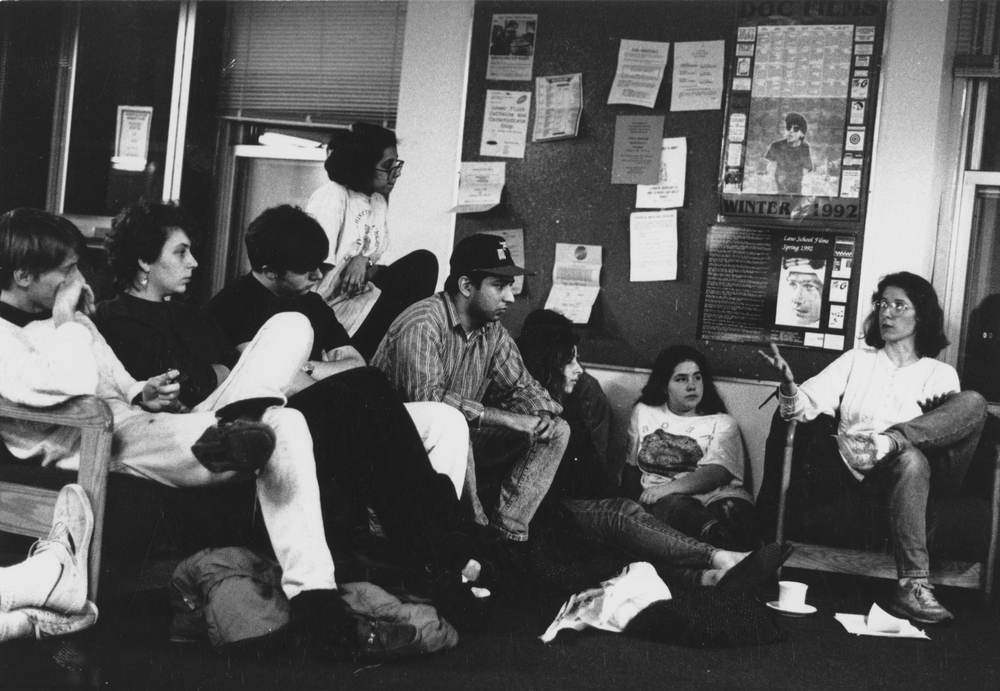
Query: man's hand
column 161, row 393
column 72, row 296
column 354, row 278
column 544, row 429
column 540, row 427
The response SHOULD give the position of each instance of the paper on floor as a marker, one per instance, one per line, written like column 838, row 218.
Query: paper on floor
column 879, row 623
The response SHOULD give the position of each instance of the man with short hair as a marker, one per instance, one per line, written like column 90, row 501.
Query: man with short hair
column 802, row 292
column 789, row 159
column 452, row 348
column 50, row 351
column 390, row 456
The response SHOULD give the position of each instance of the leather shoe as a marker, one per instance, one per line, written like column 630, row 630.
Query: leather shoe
column 238, row 445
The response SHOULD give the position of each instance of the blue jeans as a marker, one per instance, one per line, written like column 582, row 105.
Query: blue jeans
column 625, row 524
column 533, row 465
column 934, row 448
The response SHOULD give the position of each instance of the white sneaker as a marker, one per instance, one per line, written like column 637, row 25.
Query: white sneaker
column 47, row 623
column 69, row 541
column 14, row 625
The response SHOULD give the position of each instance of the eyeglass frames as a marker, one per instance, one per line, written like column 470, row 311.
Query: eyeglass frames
column 894, row 308
column 394, row 170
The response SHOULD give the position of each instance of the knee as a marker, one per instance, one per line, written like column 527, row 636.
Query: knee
column 292, row 327
column 909, row 464
column 287, row 424
column 971, row 404
column 560, row 431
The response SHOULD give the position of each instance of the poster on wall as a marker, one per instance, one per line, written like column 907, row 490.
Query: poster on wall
column 784, row 286
column 512, row 47
column 800, row 113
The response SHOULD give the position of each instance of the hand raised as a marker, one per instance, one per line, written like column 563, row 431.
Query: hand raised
column 778, row 363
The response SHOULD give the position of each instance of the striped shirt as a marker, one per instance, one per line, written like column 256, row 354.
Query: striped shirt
column 428, row 357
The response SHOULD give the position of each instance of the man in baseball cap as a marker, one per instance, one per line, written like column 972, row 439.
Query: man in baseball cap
column 451, row 347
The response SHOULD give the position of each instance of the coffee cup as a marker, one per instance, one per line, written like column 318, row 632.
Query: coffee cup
column 791, row 595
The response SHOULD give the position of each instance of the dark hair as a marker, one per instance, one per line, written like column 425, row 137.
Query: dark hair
column 477, row 278
column 796, row 119
column 35, row 240
column 929, row 335
column 286, row 238
column 352, row 154
column 546, row 350
column 139, row 233
column 654, row 393
column 543, row 317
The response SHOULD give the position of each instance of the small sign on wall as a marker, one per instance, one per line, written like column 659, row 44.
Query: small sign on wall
column 132, row 137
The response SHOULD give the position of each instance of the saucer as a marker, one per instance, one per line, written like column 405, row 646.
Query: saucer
column 797, row 612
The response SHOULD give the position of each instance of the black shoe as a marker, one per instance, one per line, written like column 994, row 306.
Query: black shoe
column 753, row 571
column 250, row 409
column 238, row 445
column 322, row 623
column 382, row 640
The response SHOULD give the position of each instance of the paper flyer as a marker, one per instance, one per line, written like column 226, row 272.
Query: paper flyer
column 480, row 184
column 512, row 47
column 505, row 124
column 641, row 65
column 697, row 82
column 576, row 281
column 638, row 143
column 558, row 106
column 653, row 246
column 668, row 193
column 515, row 243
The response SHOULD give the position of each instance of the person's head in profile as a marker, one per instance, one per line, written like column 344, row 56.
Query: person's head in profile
column 803, row 290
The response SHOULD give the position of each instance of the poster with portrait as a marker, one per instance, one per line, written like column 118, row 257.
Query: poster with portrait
column 791, row 287
column 800, row 113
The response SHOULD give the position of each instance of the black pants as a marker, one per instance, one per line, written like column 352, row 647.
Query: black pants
column 402, row 283
column 365, row 442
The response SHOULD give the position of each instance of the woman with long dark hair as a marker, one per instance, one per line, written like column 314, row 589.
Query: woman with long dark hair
column 905, row 428
column 363, row 165
column 685, row 456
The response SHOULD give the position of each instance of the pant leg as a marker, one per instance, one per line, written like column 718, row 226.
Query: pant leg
column 683, row 512
column 948, row 435
column 626, row 524
column 404, row 282
column 366, row 443
column 906, row 477
column 268, row 364
column 534, row 466
column 445, row 436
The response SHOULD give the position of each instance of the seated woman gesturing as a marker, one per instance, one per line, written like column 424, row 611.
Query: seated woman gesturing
column 685, row 456
column 363, row 165
column 905, row 428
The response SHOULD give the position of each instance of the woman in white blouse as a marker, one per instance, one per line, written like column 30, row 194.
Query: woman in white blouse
column 905, row 429
column 363, row 165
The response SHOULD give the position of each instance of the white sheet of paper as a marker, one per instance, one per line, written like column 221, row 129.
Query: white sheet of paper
column 558, row 106
column 653, row 246
column 505, row 123
column 879, row 623
column 515, row 243
column 668, row 193
column 576, row 281
column 480, row 184
column 641, row 65
column 697, row 83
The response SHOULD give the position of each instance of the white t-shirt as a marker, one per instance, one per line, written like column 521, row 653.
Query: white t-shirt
column 717, row 436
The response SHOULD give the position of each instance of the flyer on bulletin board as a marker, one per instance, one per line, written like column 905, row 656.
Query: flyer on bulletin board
column 800, row 115
column 505, row 123
column 512, row 47
column 787, row 286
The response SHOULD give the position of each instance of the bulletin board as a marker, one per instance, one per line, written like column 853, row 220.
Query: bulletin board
column 561, row 191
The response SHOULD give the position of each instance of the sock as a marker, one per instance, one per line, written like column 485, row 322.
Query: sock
column 884, row 445
column 29, row 583
column 15, row 625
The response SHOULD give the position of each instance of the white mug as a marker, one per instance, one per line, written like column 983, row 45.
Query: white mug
column 791, row 595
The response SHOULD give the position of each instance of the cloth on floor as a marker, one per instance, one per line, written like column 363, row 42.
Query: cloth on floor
column 613, row 605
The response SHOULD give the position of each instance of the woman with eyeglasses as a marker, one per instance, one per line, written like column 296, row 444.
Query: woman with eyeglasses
column 905, row 431
column 363, row 166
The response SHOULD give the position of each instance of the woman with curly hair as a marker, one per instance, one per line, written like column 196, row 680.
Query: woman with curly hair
column 905, row 429
column 363, row 166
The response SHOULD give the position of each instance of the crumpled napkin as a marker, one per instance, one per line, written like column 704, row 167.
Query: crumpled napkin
column 611, row 606
column 879, row 623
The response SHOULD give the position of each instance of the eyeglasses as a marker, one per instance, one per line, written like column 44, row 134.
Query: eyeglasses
column 894, row 308
column 394, row 170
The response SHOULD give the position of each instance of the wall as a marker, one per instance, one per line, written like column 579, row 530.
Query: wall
column 429, row 124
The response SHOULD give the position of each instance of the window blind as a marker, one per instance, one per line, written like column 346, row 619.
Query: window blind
column 313, row 63
column 978, row 51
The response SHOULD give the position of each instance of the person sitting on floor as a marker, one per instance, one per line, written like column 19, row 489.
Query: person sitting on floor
column 363, row 439
column 363, row 166
column 906, row 430
column 46, row 594
column 50, row 351
column 452, row 348
column 685, row 459
column 583, row 489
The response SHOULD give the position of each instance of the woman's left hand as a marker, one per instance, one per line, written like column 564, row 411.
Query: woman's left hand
column 354, row 278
